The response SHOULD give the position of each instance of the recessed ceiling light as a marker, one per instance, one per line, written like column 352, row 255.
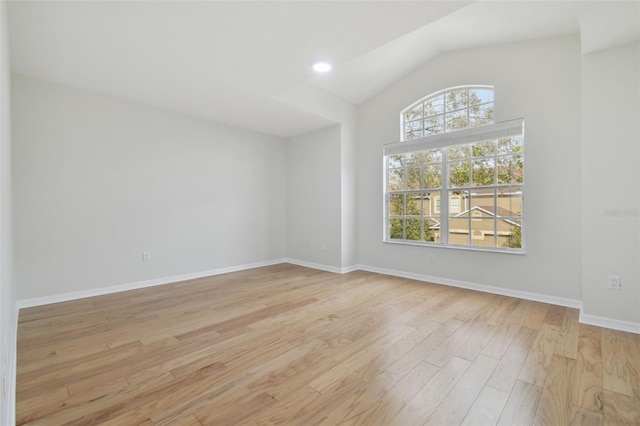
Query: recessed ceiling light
column 322, row 67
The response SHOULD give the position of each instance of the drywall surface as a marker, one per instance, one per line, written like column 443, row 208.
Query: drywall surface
column 99, row 180
column 538, row 81
column 313, row 197
column 611, row 181
column 8, row 312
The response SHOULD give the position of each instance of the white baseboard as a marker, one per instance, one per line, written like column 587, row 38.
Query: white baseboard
column 536, row 297
column 65, row 297
column 321, row 267
column 347, row 269
column 627, row 326
column 614, row 324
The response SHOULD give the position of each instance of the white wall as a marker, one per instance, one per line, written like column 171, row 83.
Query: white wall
column 537, row 80
column 313, row 198
column 324, row 104
column 349, row 191
column 98, row 180
column 611, row 181
column 7, row 286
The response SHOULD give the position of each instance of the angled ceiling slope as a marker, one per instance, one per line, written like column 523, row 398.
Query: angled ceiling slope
column 231, row 61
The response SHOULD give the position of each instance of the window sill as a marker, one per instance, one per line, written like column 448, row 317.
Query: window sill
column 464, row 248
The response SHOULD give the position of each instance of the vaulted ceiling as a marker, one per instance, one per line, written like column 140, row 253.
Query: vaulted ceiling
column 231, row 61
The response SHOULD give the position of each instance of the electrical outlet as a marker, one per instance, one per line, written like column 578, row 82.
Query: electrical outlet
column 431, row 258
column 146, row 256
column 614, row 282
column 307, row 245
column 324, row 246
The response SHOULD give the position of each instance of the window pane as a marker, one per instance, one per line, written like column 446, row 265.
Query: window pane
column 480, row 96
column 432, row 177
column 483, row 172
column 459, row 230
column 511, row 145
column 510, row 169
column 459, row 173
column 413, row 114
column 433, row 156
column 412, row 204
column 434, row 125
column 413, row 130
column 396, row 179
column 483, row 232
column 396, row 160
column 396, row 205
column 420, row 157
column 510, row 202
column 510, row 234
column 395, row 229
column 459, row 152
column 481, row 114
column 484, row 198
column 429, row 204
column 457, row 120
column 413, row 229
column 414, row 158
column 456, row 99
column 414, row 175
column 430, row 227
column 483, row 149
column 434, row 106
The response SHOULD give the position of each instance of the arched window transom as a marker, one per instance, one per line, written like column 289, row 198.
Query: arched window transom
column 448, row 110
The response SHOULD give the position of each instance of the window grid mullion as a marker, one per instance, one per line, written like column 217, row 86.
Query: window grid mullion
column 422, row 171
column 444, row 198
column 404, row 216
column 495, row 193
column 404, row 198
column 495, row 218
column 469, row 223
column 468, row 109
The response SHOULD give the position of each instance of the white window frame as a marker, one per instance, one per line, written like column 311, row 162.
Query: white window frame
column 443, row 141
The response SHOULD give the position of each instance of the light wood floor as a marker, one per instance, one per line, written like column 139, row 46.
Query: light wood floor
column 290, row 345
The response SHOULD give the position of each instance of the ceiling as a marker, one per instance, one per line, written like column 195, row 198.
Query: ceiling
column 232, row 61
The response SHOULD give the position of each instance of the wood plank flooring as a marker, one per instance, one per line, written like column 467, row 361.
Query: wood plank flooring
column 290, row 345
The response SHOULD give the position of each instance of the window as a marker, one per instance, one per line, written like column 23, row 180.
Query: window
column 448, row 110
column 451, row 150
